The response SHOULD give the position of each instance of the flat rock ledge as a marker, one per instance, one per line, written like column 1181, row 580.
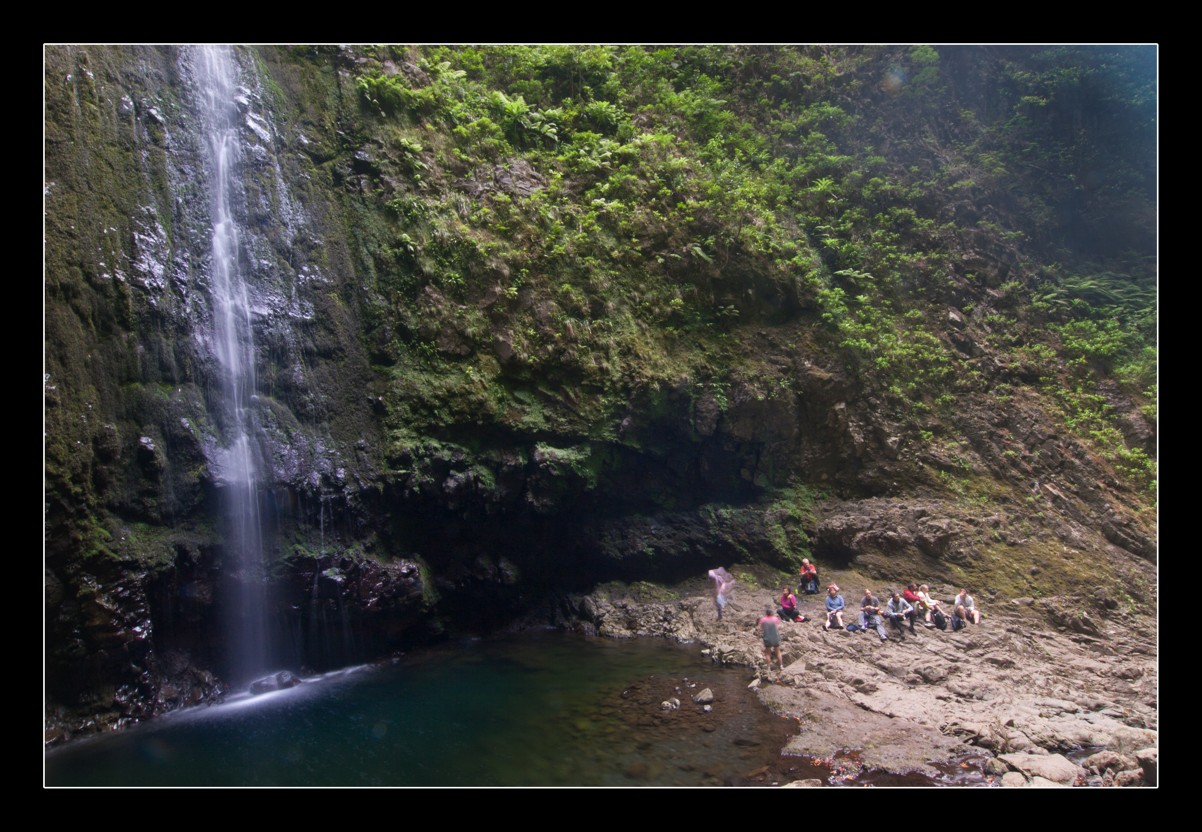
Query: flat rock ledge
column 1020, row 693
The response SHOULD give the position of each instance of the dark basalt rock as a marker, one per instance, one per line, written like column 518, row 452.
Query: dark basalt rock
column 890, row 527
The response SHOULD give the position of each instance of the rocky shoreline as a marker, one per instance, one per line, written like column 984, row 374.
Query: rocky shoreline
column 1058, row 691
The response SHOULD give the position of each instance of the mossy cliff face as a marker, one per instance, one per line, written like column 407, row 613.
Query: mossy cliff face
column 529, row 318
column 134, row 433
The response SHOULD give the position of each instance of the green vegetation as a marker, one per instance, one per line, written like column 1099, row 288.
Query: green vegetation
column 559, row 249
column 631, row 205
column 787, row 519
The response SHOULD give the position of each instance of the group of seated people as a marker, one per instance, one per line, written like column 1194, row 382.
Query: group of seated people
column 901, row 609
column 904, row 607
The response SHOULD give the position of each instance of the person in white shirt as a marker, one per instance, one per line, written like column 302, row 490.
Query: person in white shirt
column 966, row 607
column 926, row 604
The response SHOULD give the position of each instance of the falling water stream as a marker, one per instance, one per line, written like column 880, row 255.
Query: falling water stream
column 233, row 336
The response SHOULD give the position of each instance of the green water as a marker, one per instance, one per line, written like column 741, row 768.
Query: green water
column 537, row 710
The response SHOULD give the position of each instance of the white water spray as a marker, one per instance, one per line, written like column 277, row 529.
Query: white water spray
column 233, row 337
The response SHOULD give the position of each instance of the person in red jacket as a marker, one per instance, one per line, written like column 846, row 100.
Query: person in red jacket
column 809, row 578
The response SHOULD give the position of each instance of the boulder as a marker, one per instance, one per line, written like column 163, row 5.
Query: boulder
column 1126, row 739
column 1146, row 757
column 1038, row 782
column 996, row 767
column 1109, row 760
column 1054, row 767
column 1135, row 777
column 1013, row 779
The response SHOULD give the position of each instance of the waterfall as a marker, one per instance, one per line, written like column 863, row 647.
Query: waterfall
column 268, row 449
column 219, row 94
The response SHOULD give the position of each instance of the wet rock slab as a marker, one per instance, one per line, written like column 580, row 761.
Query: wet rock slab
column 829, row 724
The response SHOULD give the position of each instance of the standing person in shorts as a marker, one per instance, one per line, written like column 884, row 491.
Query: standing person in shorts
column 768, row 628
column 724, row 582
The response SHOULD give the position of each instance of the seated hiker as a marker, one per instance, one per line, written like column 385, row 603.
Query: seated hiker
column 938, row 619
column 870, row 614
column 926, row 604
column 966, row 607
column 958, row 621
column 898, row 610
column 834, row 607
column 809, row 578
column 788, row 605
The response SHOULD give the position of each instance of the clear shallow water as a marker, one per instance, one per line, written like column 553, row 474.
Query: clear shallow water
column 537, row 710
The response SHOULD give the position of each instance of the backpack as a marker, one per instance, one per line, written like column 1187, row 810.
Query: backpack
column 958, row 623
column 940, row 620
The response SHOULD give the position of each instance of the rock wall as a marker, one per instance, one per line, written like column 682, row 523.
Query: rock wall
column 134, row 435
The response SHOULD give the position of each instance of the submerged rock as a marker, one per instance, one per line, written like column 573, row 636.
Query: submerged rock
column 276, row 681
